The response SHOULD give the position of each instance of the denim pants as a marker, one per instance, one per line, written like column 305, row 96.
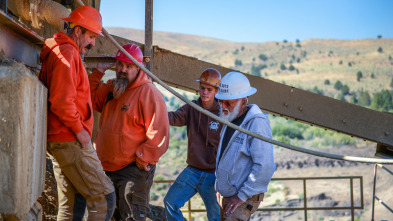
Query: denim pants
column 188, row 183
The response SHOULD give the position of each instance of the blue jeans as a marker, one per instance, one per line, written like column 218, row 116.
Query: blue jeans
column 188, row 183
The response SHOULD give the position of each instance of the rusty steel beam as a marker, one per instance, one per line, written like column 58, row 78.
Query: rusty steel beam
column 181, row 71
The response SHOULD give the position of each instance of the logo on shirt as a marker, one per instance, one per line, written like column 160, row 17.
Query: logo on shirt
column 125, row 107
column 214, row 125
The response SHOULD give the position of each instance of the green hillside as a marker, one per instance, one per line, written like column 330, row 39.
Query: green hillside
column 304, row 64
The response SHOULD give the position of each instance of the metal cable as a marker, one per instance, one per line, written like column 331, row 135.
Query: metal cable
column 258, row 136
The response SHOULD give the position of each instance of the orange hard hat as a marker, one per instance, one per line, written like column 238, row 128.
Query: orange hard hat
column 87, row 17
column 133, row 50
column 211, row 77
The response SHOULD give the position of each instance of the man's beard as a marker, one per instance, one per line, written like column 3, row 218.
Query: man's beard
column 231, row 115
column 120, row 86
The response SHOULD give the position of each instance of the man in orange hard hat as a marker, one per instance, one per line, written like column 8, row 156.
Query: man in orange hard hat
column 203, row 138
column 133, row 132
column 80, row 178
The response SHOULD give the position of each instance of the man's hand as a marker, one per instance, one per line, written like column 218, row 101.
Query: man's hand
column 232, row 204
column 218, row 198
column 83, row 137
column 141, row 167
column 102, row 67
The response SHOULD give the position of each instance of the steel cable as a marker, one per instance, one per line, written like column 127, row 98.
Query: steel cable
column 258, row 136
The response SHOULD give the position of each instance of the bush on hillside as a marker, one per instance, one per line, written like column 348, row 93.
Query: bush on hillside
column 341, row 62
column 283, row 67
column 236, row 52
column 372, row 75
column 364, row 98
column 287, row 130
column 341, row 97
column 263, row 57
column 326, row 82
column 256, row 69
column 345, row 90
column 291, row 67
column 238, row 62
column 382, row 101
column 359, row 75
column 380, row 50
column 323, row 138
column 338, row 85
column 317, row 91
column 353, row 99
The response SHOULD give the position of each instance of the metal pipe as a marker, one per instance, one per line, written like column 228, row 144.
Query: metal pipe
column 352, row 207
column 375, row 180
column 148, row 58
column 305, row 199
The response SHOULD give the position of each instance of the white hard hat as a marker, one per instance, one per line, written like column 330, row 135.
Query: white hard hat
column 235, row 85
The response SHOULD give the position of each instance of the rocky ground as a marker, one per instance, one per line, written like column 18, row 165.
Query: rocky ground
column 329, row 193
column 289, row 194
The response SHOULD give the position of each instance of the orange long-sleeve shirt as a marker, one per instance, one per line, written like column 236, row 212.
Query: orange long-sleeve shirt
column 69, row 101
column 134, row 127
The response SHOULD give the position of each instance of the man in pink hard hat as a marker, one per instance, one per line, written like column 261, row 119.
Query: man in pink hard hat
column 133, row 132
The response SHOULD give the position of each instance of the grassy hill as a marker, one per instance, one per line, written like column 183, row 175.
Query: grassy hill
column 313, row 61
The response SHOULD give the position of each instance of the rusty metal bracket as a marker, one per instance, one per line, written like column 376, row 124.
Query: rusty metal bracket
column 146, row 59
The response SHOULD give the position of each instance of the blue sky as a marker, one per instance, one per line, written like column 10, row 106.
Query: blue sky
column 258, row 20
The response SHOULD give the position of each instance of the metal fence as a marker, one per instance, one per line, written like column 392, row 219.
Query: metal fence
column 374, row 196
column 305, row 207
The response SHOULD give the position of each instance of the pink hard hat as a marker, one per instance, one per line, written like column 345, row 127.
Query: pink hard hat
column 133, row 50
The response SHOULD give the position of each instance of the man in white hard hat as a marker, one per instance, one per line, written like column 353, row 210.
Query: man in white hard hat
column 244, row 164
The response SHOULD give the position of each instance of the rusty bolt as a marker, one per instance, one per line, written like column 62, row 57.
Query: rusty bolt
column 344, row 121
column 285, row 104
column 147, row 59
column 386, row 133
column 300, row 108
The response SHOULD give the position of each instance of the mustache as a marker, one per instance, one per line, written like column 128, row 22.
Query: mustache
column 89, row 46
column 122, row 74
